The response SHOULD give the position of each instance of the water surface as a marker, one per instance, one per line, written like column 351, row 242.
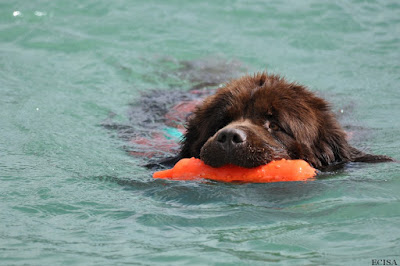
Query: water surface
column 69, row 192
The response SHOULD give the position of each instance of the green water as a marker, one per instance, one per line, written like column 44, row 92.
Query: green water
column 70, row 194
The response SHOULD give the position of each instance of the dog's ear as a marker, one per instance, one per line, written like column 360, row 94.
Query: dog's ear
column 328, row 148
column 202, row 124
column 332, row 147
column 205, row 121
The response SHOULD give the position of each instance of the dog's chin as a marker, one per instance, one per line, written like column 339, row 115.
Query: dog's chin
column 245, row 157
column 228, row 161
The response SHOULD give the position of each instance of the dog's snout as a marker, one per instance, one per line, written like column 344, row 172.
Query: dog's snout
column 229, row 138
column 243, row 144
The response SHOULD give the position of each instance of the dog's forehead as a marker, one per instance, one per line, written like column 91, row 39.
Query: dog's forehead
column 271, row 96
column 268, row 101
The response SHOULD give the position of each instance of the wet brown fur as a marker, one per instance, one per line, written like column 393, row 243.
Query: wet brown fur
column 279, row 120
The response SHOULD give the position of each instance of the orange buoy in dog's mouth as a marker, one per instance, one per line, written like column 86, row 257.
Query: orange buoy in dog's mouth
column 276, row 171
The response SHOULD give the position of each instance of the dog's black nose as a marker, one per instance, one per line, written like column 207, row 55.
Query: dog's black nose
column 229, row 138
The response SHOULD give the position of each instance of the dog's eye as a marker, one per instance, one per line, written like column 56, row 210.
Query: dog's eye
column 272, row 126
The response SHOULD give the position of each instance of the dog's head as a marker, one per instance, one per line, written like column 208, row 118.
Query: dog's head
column 256, row 119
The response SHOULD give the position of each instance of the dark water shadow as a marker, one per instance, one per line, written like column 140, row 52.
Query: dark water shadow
column 157, row 118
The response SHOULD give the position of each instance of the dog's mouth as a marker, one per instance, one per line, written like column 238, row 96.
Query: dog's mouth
column 231, row 159
column 248, row 158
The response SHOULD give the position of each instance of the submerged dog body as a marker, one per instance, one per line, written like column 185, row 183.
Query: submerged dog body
column 256, row 119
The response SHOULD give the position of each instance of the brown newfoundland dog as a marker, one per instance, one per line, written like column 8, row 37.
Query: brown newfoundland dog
column 256, row 119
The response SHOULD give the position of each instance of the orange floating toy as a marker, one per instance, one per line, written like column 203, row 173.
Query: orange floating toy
column 275, row 171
